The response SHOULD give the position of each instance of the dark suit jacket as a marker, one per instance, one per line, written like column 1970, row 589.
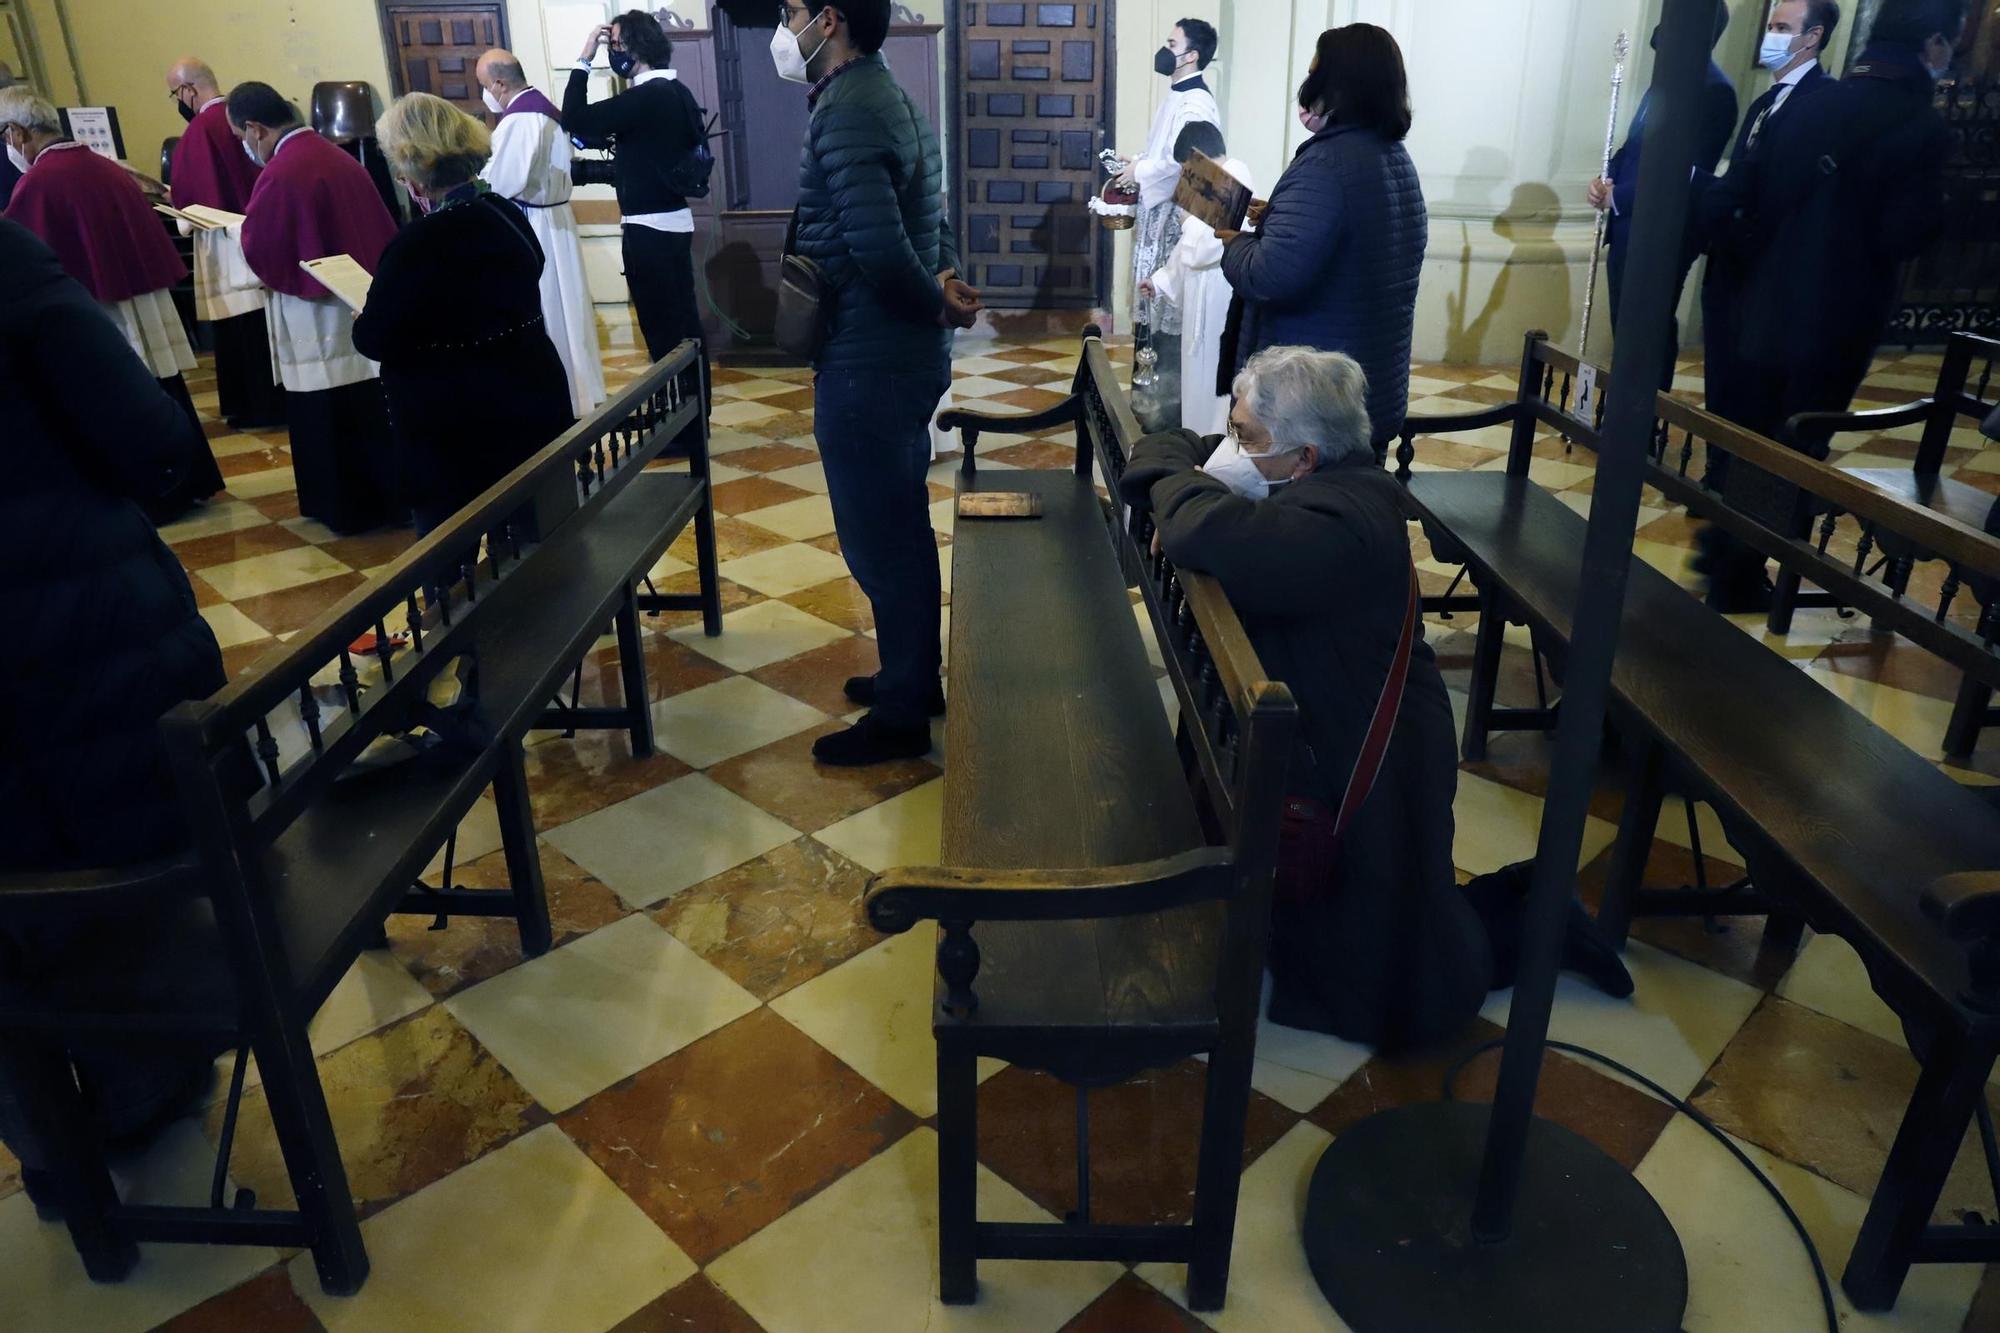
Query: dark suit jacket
column 1810, row 227
column 1718, row 117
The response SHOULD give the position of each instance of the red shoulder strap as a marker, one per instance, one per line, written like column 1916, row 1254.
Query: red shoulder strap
column 1375, row 745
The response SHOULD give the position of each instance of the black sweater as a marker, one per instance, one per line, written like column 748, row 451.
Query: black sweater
column 656, row 123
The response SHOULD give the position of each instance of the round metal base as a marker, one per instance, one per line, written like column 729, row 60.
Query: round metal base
column 1388, row 1233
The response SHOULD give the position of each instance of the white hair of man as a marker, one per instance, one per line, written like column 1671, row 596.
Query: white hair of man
column 1304, row 396
column 20, row 106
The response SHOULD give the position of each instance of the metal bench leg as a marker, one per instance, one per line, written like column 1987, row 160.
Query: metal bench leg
column 1951, row 1083
column 57, row 1124
column 312, row 1156
column 958, row 1145
column 1485, row 675
column 1968, row 718
column 1219, row 1173
column 1645, row 793
column 517, row 838
column 632, row 675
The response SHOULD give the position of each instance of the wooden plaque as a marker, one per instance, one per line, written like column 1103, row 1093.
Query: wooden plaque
column 999, row 504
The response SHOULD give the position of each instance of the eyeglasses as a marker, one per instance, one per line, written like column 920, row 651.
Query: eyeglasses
column 174, row 93
column 785, row 13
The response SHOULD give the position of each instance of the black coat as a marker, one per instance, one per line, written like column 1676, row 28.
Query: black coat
column 1319, row 574
column 104, row 633
column 1809, row 230
column 473, row 382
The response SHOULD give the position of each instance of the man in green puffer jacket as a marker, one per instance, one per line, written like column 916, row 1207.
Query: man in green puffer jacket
column 871, row 214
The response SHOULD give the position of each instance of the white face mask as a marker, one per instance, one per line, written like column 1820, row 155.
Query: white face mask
column 18, row 158
column 1238, row 470
column 790, row 61
column 1776, row 52
column 493, row 103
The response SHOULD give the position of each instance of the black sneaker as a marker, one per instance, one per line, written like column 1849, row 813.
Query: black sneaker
column 872, row 741
column 861, row 689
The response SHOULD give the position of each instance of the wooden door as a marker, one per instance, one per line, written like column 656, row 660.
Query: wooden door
column 433, row 47
column 1034, row 87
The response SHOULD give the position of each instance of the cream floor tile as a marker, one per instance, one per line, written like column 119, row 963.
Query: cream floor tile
column 1292, row 1064
column 740, row 411
column 231, row 626
column 978, row 386
column 1580, row 502
column 1424, row 387
column 43, row 1285
column 478, row 834
column 720, row 472
column 1673, row 828
column 1676, row 1022
column 756, row 388
column 1861, row 458
column 655, row 844
column 272, row 572
column 257, row 485
column 722, row 440
column 212, row 519
column 901, row 831
column 807, row 1270
column 755, row 636
column 1497, row 825
column 810, row 516
column 581, row 1017
column 974, row 363
column 1669, row 560
column 667, row 566
column 715, row 722
column 1499, row 382
column 1829, row 977
column 1745, row 1268
column 787, row 569
column 1439, row 405
column 376, row 992
column 1270, row 1286
column 1917, row 720
column 229, row 446
column 944, row 516
column 805, row 476
column 530, row 1237
column 311, row 529
column 1813, row 629
column 874, row 1012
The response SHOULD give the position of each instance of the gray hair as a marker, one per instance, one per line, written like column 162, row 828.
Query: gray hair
column 1308, row 397
column 510, row 71
column 19, row 105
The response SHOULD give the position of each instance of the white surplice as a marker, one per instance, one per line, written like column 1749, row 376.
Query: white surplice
column 1191, row 278
column 530, row 165
column 312, row 344
column 1156, row 171
column 224, row 286
column 152, row 325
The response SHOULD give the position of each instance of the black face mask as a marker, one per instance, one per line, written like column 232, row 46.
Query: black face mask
column 1164, row 61
column 187, row 112
column 621, row 64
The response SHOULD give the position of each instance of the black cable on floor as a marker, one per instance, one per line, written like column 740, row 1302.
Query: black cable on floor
column 1681, row 1105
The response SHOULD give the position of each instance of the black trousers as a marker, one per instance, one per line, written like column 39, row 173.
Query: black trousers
column 249, row 398
column 659, row 272
column 1614, row 265
column 344, row 456
column 199, row 476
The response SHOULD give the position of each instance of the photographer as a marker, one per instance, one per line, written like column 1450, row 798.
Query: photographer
column 657, row 127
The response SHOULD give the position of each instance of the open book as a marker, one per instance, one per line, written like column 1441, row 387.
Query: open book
column 343, row 277
column 201, row 217
column 1208, row 192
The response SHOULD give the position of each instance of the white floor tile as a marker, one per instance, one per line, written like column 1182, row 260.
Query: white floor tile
column 902, row 831
column 1917, row 720
column 531, row 1237
column 811, row 516
column 1673, row 828
column 257, row 485
column 755, row 636
column 805, row 476
column 231, row 626
column 715, row 722
column 791, row 568
column 659, row 842
column 217, row 516
column 861, row 1257
column 272, row 572
column 478, row 835
column 1496, row 825
column 581, row 1017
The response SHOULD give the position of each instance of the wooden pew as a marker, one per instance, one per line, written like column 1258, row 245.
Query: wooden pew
column 1839, row 824
column 1089, row 926
column 297, row 859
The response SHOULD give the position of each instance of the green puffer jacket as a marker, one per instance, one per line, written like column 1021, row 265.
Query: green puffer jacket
column 871, row 213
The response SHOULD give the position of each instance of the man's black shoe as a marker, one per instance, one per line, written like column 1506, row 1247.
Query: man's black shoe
column 1740, row 596
column 872, row 741
column 861, row 689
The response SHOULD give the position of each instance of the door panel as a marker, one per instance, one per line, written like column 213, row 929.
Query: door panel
column 433, row 48
column 1034, row 109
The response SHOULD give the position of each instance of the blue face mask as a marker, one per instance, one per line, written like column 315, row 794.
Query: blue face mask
column 621, row 64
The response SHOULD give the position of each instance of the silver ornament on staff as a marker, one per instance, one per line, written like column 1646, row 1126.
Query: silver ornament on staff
column 1620, row 49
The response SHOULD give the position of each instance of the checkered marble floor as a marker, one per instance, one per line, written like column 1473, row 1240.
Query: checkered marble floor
column 712, row 1106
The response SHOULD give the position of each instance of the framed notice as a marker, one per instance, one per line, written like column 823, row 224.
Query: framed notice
column 96, row 128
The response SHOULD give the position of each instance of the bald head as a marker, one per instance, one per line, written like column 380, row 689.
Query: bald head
column 501, row 71
column 194, row 74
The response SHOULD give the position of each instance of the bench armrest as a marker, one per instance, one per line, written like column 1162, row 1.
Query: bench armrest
column 70, row 893
column 897, row 899
column 1967, row 905
column 1445, row 423
column 1820, row 425
column 1013, row 423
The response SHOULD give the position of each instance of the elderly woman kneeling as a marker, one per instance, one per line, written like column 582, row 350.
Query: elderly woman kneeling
column 1372, row 940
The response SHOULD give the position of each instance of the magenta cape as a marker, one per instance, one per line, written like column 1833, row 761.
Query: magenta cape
column 210, row 166
column 311, row 201
column 90, row 211
column 532, row 102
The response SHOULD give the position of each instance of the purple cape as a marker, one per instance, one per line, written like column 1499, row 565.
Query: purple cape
column 532, row 102
column 311, row 201
column 90, row 211
column 210, row 166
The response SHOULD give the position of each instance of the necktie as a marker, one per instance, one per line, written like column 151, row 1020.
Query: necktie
column 1760, row 111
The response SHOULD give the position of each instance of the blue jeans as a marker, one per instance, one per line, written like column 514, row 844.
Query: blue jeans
column 873, row 429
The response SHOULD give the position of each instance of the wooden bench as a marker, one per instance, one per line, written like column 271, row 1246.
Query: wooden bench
column 1839, row 824
column 1089, row 927
column 297, row 859
column 1968, row 390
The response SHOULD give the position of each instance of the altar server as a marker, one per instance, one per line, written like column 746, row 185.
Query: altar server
column 530, row 165
column 1190, row 279
column 312, row 201
column 90, row 211
column 211, row 170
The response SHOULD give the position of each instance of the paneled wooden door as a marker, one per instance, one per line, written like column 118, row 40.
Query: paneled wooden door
column 1033, row 84
column 433, row 47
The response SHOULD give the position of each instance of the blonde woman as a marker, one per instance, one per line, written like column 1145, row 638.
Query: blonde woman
column 455, row 318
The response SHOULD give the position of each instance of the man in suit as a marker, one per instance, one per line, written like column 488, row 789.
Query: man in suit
column 1807, row 234
column 1619, row 191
